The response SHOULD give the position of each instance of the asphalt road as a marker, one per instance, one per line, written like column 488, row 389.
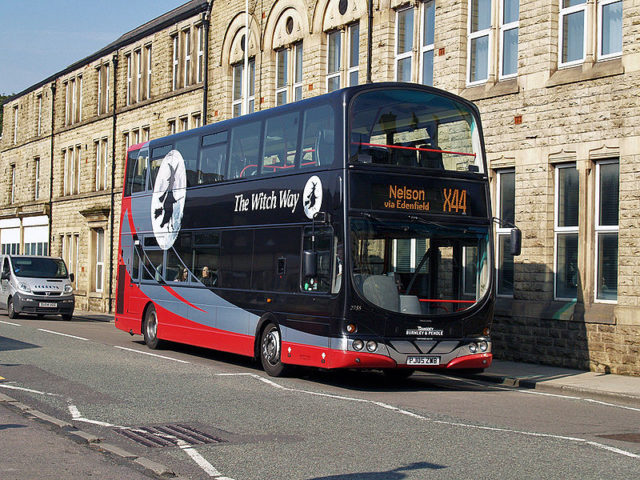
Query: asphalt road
column 235, row 422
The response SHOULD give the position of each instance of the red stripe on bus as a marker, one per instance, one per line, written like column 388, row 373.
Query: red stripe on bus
column 417, row 149
column 437, row 300
column 173, row 292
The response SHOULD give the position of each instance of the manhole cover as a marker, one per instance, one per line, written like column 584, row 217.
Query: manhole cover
column 168, row 436
column 624, row 437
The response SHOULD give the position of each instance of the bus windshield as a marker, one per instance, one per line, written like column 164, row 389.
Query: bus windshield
column 412, row 128
column 419, row 268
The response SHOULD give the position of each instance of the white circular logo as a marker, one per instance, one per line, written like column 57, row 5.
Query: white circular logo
column 167, row 203
column 312, row 197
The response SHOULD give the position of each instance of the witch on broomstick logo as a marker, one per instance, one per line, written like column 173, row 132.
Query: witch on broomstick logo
column 167, row 203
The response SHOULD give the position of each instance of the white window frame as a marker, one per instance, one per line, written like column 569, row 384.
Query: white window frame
column 504, row 28
column 601, row 5
column 98, row 164
column 187, row 56
column 200, row 67
column 282, row 88
column 409, row 53
column 39, row 131
column 351, row 68
column 36, row 189
column 196, row 120
column 175, row 64
column 15, row 125
column 65, row 170
column 74, row 104
column 565, row 12
column 500, row 230
column 99, row 278
column 239, row 67
column 184, row 123
column 147, row 51
column 603, row 229
column 13, row 182
column 338, row 73
column 138, row 58
column 172, row 126
column 487, row 32
column 107, row 88
column 558, row 230
column 79, row 98
column 423, row 29
column 129, row 79
column 77, row 165
column 66, row 103
column 298, row 68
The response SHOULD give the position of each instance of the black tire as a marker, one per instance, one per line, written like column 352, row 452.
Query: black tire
column 270, row 351
column 67, row 316
column 150, row 329
column 11, row 313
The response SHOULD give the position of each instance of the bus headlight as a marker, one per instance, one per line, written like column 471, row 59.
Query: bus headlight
column 358, row 345
column 483, row 346
column 372, row 346
column 473, row 348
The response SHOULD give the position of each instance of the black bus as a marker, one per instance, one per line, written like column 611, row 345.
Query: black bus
column 348, row 230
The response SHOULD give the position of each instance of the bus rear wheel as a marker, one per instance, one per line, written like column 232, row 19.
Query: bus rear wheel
column 270, row 351
column 150, row 328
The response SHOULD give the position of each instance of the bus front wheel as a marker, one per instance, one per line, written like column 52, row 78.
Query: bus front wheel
column 270, row 350
column 150, row 328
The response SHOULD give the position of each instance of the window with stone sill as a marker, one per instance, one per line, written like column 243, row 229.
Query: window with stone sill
column 606, row 230
column 492, row 49
column 577, row 18
column 343, row 57
column 566, row 232
column 289, row 74
column 415, row 25
column 505, row 206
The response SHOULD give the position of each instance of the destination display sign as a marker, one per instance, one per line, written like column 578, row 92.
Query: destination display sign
column 410, row 194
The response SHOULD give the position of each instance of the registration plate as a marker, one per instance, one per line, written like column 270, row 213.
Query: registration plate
column 423, row 360
column 47, row 305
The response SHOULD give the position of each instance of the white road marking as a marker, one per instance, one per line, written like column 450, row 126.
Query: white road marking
column 150, row 354
column 184, row 446
column 442, row 422
column 544, row 394
column 63, row 334
column 30, row 390
column 10, row 323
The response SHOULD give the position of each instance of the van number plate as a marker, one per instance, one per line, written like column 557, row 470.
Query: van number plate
column 423, row 360
column 47, row 305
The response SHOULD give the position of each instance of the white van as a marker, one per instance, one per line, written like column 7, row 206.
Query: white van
column 36, row 285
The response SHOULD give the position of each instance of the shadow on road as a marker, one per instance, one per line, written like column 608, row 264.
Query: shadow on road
column 395, row 474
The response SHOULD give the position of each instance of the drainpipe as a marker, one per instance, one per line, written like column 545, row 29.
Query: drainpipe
column 114, row 61
column 369, row 41
column 206, row 19
column 53, row 111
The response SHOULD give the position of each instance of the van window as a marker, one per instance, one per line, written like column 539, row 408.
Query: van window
column 39, row 267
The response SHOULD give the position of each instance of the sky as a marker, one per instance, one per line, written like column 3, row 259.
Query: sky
column 41, row 37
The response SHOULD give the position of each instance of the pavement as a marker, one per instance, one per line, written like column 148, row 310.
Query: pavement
column 24, row 430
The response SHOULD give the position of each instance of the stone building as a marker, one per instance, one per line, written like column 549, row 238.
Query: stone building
column 555, row 81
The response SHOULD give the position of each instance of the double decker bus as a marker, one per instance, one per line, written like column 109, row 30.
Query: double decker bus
column 349, row 230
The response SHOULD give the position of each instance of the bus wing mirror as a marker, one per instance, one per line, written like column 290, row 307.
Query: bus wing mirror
column 515, row 242
column 309, row 263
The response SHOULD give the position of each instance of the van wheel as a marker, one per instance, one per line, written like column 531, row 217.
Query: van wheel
column 150, row 329
column 10, row 310
column 67, row 316
column 270, row 350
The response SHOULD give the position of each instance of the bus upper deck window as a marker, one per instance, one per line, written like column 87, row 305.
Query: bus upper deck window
column 318, row 140
column 157, row 155
column 280, row 143
column 188, row 148
column 245, row 146
column 139, row 173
